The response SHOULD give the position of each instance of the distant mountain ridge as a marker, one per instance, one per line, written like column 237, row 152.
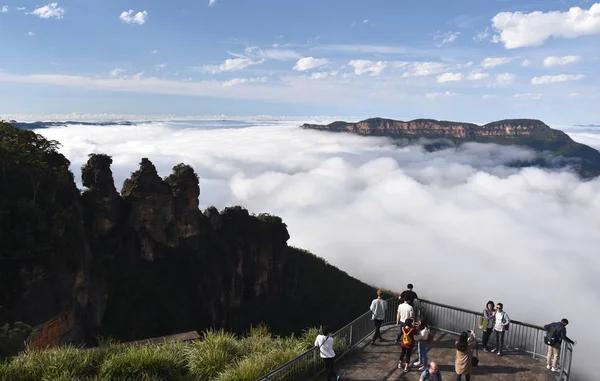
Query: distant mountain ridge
column 530, row 133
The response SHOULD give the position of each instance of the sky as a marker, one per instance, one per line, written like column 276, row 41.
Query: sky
column 459, row 224
column 468, row 60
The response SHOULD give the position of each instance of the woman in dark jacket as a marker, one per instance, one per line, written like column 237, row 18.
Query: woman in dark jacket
column 489, row 314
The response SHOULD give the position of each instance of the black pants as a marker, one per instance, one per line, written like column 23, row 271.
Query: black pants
column 467, row 377
column 499, row 341
column 486, row 337
column 405, row 354
column 399, row 335
column 377, row 334
column 330, row 368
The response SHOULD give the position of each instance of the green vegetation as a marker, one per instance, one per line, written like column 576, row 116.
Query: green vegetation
column 218, row 356
column 12, row 338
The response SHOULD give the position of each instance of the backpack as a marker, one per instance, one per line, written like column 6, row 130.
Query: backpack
column 407, row 340
column 428, row 375
column 551, row 337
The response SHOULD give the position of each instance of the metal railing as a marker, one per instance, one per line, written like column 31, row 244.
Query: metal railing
column 521, row 337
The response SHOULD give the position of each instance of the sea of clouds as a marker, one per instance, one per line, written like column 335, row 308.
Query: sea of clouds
column 458, row 223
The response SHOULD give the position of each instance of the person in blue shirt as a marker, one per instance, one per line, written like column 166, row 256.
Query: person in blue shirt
column 554, row 350
column 431, row 374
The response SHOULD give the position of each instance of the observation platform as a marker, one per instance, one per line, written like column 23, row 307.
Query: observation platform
column 366, row 362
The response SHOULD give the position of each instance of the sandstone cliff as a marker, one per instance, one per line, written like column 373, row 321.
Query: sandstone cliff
column 146, row 262
column 526, row 132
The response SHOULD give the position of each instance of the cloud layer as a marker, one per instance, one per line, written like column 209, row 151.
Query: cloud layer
column 367, row 205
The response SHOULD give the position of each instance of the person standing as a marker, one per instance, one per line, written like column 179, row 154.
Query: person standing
column 407, row 343
column 405, row 311
column 325, row 344
column 431, row 374
column 409, row 295
column 487, row 326
column 421, row 337
column 501, row 321
column 464, row 355
column 557, row 332
column 378, row 309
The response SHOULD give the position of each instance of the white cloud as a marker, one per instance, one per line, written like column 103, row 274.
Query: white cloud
column 491, row 62
column 273, row 54
column 116, row 72
column 528, row 96
column 418, row 69
column 489, row 96
column 30, row 33
column 446, row 37
column 211, row 2
column 505, row 79
column 365, row 21
column 130, row 18
column 449, row 77
column 517, row 29
column 239, row 81
column 368, row 67
column 445, row 94
column 4, row 9
column 309, row 63
column 319, row 75
column 482, row 35
column 154, row 51
column 559, row 61
column 526, row 63
column 230, row 64
column 51, row 10
column 161, row 66
column 361, row 49
column 561, row 78
column 477, row 75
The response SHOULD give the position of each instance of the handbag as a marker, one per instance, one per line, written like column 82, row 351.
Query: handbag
column 475, row 359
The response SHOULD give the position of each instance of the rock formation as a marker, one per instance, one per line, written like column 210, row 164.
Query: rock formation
column 146, row 262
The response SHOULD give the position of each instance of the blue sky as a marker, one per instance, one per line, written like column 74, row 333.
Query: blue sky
column 469, row 60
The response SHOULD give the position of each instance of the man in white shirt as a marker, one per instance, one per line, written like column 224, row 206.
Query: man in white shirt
column 405, row 311
column 501, row 325
column 378, row 309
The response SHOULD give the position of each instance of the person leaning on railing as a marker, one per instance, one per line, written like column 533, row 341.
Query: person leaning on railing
column 325, row 344
column 557, row 332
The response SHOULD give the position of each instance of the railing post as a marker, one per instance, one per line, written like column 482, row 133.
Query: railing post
column 534, row 346
column 350, row 344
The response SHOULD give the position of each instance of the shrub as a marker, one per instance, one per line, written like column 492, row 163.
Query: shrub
column 215, row 352
column 146, row 362
column 12, row 338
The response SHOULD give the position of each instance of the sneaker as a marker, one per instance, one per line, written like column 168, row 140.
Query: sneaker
column 372, row 342
column 493, row 350
column 417, row 363
column 548, row 367
column 337, row 378
column 499, row 353
column 556, row 369
column 486, row 350
column 422, row 368
column 405, row 370
column 399, row 365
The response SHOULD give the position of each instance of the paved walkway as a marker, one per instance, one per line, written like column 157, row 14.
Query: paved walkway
column 368, row 362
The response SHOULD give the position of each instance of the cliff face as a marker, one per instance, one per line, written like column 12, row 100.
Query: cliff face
column 526, row 132
column 146, row 262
